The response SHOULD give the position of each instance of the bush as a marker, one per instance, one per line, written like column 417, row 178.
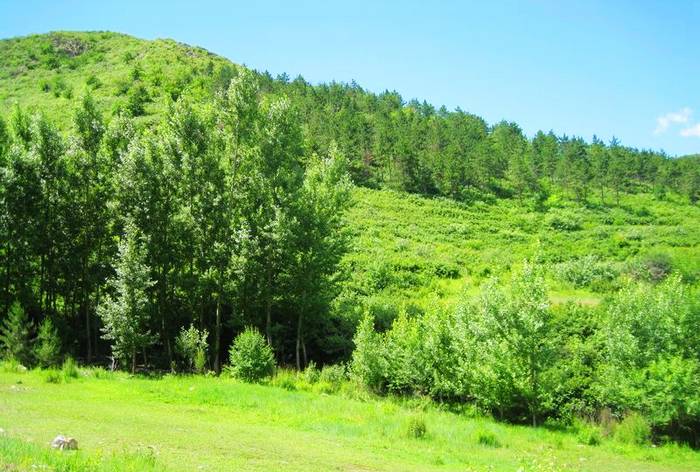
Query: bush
column 585, row 272
column 286, row 379
column 487, row 438
column 69, row 370
column 311, row 373
column 368, row 359
column 652, row 267
column 634, row 429
column 191, row 345
column 416, row 427
column 137, row 99
column 564, row 221
column 251, row 357
column 48, row 345
column 93, row 82
column 12, row 366
column 53, row 376
column 333, row 374
column 589, row 435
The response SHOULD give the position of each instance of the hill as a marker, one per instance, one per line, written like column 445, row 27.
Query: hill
column 166, row 210
column 47, row 72
column 437, row 250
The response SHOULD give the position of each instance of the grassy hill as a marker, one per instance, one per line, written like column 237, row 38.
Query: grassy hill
column 414, row 249
column 407, row 253
column 45, row 72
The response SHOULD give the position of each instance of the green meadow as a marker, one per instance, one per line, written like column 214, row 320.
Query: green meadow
column 200, row 423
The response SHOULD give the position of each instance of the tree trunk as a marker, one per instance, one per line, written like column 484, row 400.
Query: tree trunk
column 217, row 336
column 88, row 332
column 303, row 350
column 268, row 309
column 86, row 307
column 133, row 361
column 299, row 321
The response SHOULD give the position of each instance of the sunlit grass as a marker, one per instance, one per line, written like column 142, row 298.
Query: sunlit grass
column 189, row 423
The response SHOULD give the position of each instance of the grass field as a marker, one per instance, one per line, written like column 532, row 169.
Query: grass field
column 200, row 423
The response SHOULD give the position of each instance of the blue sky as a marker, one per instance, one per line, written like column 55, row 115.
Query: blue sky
column 624, row 68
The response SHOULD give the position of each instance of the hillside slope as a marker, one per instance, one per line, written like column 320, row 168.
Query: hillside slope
column 408, row 250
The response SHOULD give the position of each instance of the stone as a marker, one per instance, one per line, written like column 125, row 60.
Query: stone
column 64, row 443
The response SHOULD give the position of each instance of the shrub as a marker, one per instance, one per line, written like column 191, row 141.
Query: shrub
column 191, row 345
column 53, row 376
column 633, row 429
column 137, row 98
column 487, row 438
column 416, row 427
column 48, row 344
column 12, row 366
column 285, row 378
column 251, row 357
column 69, row 370
column 564, row 221
column 589, row 435
column 368, row 359
column 333, row 374
column 652, row 267
column 311, row 373
column 586, row 271
column 93, row 82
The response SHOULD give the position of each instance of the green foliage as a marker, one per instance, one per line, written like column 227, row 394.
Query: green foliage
column 47, row 347
column 251, row 357
column 368, row 359
column 334, row 374
column 587, row 271
column 416, row 427
column 69, row 369
column 589, row 435
column 651, row 358
column 511, row 340
column 125, row 313
column 137, row 98
column 234, row 189
column 564, row 221
column 14, row 336
column 487, row 438
column 633, row 429
column 192, row 345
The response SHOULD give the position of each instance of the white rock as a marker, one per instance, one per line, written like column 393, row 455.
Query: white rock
column 64, row 443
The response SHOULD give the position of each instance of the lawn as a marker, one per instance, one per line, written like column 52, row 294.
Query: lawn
column 207, row 423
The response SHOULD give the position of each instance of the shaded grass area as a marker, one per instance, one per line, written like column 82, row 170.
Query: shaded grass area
column 200, row 423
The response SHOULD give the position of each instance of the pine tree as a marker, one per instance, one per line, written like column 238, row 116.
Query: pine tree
column 47, row 347
column 14, row 335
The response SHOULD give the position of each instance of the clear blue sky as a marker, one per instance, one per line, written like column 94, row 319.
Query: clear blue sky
column 624, row 68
